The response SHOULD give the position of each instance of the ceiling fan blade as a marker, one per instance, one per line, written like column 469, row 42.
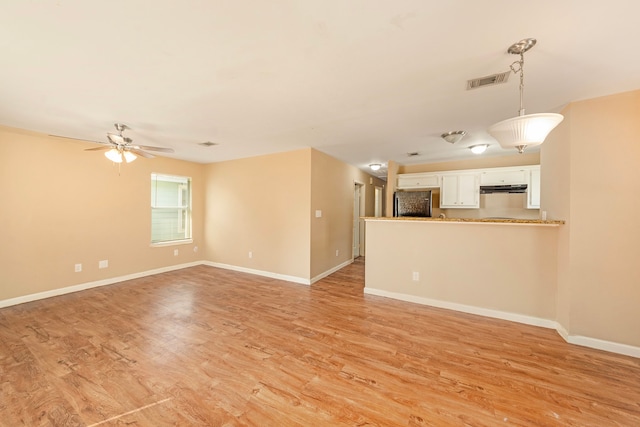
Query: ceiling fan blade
column 108, row 147
column 140, row 153
column 78, row 139
column 162, row 149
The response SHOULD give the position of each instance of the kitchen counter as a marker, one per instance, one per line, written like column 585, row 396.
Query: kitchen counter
column 511, row 221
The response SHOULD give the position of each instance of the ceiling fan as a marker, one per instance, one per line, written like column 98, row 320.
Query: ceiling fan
column 122, row 148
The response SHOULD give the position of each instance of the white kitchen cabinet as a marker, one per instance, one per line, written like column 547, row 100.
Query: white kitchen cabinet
column 417, row 180
column 460, row 190
column 533, row 189
column 504, row 176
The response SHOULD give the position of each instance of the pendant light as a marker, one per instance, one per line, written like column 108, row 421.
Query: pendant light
column 524, row 130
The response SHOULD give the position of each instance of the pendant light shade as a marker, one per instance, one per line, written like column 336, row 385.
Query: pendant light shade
column 114, row 155
column 129, row 156
column 524, row 131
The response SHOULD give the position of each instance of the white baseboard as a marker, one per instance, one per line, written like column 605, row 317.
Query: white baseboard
column 497, row 314
column 594, row 343
column 598, row 344
column 331, row 271
column 294, row 279
column 112, row 280
column 89, row 285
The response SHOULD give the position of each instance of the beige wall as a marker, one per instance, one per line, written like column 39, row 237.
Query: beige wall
column 592, row 177
column 260, row 205
column 266, row 205
column 62, row 206
column 332, row 192
column 392, row 177
column 504, row 268
column 511, row 159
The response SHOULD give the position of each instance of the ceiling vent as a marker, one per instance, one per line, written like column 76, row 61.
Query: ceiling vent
column 207, row 144
column 413, row 154
column 494, row 79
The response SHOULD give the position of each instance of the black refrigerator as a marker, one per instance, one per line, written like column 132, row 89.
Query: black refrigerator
column 412, row 203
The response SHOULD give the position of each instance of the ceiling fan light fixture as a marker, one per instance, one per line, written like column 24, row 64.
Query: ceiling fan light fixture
column 129, row 156
column 479, row 148
column 114, row 155
column 453, row 136
column 525, row 130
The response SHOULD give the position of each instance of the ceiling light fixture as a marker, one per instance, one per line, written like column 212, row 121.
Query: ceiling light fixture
column 453, row 136
column 115, row 155
column 524, row 130
column 375, row 166
column 479, row 149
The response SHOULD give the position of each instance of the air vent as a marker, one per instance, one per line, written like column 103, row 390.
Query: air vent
column 494, row 79
column 415, row 153
column 207, row 144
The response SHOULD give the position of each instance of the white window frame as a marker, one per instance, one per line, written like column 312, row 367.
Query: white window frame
column 184, row 219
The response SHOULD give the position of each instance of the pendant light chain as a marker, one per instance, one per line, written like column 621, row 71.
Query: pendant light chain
column 516, row 70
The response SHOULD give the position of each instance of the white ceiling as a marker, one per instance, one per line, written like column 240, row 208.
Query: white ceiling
column 366, row 81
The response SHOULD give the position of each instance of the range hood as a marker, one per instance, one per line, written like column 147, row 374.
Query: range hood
column 513, row 188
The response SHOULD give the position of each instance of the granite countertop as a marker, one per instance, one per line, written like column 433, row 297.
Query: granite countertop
column 471, row 220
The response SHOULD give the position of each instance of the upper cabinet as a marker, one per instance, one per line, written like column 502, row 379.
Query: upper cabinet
column 410, row 181
column 503, row 176
column 460, row 190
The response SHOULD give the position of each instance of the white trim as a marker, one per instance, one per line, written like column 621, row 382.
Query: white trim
column 562, row 331
column 504, row 315
column 330, row 271
column 294, row 279
column 609, row 346
column 613, row 347
column 89, row 285
column 171, row 243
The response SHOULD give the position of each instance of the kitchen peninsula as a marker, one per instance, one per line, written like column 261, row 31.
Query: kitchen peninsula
column 503, row 268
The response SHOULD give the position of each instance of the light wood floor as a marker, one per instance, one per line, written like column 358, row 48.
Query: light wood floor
column 210, row 347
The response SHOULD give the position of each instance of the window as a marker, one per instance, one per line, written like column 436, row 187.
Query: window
column 170, row 208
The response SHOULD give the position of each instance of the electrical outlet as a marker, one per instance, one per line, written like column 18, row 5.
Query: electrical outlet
column 250, row 254
column 175, row 252
column 78, row 268
column 416, row 276
column 195, row 249
column 103, row 264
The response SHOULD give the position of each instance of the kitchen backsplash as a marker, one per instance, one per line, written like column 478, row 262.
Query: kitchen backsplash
column 500, row 205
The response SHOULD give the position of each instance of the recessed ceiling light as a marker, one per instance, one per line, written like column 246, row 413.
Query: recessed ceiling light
column 208, row 144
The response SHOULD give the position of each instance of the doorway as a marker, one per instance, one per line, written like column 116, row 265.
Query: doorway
column 358, row 232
